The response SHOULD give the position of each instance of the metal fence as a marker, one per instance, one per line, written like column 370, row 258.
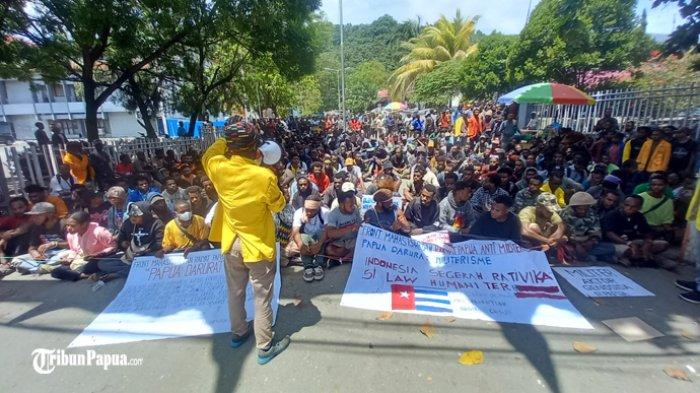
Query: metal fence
column 677, row 105
column 27, row 163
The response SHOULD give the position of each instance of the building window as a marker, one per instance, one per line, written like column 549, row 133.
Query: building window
column 39, row 93
column 57, row 90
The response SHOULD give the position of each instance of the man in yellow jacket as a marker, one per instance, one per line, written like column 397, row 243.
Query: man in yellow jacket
column 248, row 195
column 655, row 153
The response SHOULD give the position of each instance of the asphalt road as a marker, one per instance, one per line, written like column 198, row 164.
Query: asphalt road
column 337, row 349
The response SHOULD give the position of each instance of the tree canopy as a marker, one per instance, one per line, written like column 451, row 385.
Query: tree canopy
column 446, row 40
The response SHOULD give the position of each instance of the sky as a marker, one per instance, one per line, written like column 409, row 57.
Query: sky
column 506, row 16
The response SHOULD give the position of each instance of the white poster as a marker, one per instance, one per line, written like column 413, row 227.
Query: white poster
column 484, row 280
column 604, row 281
column 170, row 297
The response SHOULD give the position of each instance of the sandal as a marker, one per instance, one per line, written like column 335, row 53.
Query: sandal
column 6, row 269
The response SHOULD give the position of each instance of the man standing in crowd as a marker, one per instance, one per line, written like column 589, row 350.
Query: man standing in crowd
column 40, row 134
column 249, row 196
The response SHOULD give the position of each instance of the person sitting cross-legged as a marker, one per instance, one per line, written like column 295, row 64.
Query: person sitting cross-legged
column 308, row 236
column 88, row 243
column 46, row 239
column 341, row 228
column 583, row 229
column 627, row 229
column 541, row 224
column 187, row 232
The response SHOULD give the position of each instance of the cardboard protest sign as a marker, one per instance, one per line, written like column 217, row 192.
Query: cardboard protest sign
column 170, row 297
column 605, row 281
column 485, row 280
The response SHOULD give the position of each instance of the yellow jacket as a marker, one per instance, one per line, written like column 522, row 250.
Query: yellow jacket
column 694, row 207
column 80, row 167
column 248, row 195
column 559, row 193
column 654, row 161
column 458, row 125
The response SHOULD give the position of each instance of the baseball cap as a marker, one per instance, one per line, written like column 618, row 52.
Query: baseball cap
column 549, row 201
column 42, row 208
column 349, row 161
column 347, row 186
column 135, row 210
column 387, row 165
column 612, row 179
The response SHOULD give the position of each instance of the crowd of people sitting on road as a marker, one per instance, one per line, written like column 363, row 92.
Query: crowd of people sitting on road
column 624, row 195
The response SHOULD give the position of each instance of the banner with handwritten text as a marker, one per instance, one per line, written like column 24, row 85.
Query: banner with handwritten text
column 170, row 297
column 484, row 280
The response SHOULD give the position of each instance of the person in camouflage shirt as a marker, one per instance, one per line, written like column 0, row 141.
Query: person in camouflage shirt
column 528, row 195
column 583, row 229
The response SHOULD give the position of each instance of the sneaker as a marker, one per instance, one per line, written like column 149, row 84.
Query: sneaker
column 686, row 285
column 318, row 273
column 308, row 275
column 265, row 355
column 237, row 341
column 692, row 297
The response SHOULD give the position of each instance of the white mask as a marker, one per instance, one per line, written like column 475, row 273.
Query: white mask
column 186, row 216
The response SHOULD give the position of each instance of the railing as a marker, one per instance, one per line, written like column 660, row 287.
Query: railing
column 677, row 105
column 23, row 164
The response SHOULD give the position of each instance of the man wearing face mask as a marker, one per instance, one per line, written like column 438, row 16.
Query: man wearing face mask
column 187, row 232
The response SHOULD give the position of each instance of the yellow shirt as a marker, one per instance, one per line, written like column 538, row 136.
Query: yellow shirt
column 528, row 216
column 174, row 239
column 559, row 193
column 458, row 125
column 248, row 195
column 80, row 168
column 693, row 213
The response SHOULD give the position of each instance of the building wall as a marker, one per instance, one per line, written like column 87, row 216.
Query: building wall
column 23, row 125
column 18, row 92
column 123, row 124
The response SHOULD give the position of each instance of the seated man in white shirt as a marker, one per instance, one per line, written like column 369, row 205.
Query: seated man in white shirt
column 61, row 183
column 308, row 236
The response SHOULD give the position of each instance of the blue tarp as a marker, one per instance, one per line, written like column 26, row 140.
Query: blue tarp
column 172, row 126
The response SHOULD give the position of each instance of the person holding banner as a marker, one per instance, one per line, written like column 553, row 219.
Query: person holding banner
column 248, row 196
column 385, row 215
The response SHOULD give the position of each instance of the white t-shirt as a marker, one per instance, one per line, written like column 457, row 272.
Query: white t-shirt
column 315, row 225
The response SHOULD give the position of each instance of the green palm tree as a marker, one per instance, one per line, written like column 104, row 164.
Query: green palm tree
column 443, row 41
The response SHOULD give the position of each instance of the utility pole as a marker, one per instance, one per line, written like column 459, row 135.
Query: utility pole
column 342, row 67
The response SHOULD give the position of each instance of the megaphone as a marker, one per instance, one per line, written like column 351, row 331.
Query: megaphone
column 271, row 152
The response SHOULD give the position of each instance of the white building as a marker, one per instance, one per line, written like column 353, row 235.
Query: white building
column 23, row 103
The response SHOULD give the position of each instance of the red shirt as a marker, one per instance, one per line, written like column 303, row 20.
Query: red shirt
column 125, row 169
column 322, row 181
column 11, row 222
